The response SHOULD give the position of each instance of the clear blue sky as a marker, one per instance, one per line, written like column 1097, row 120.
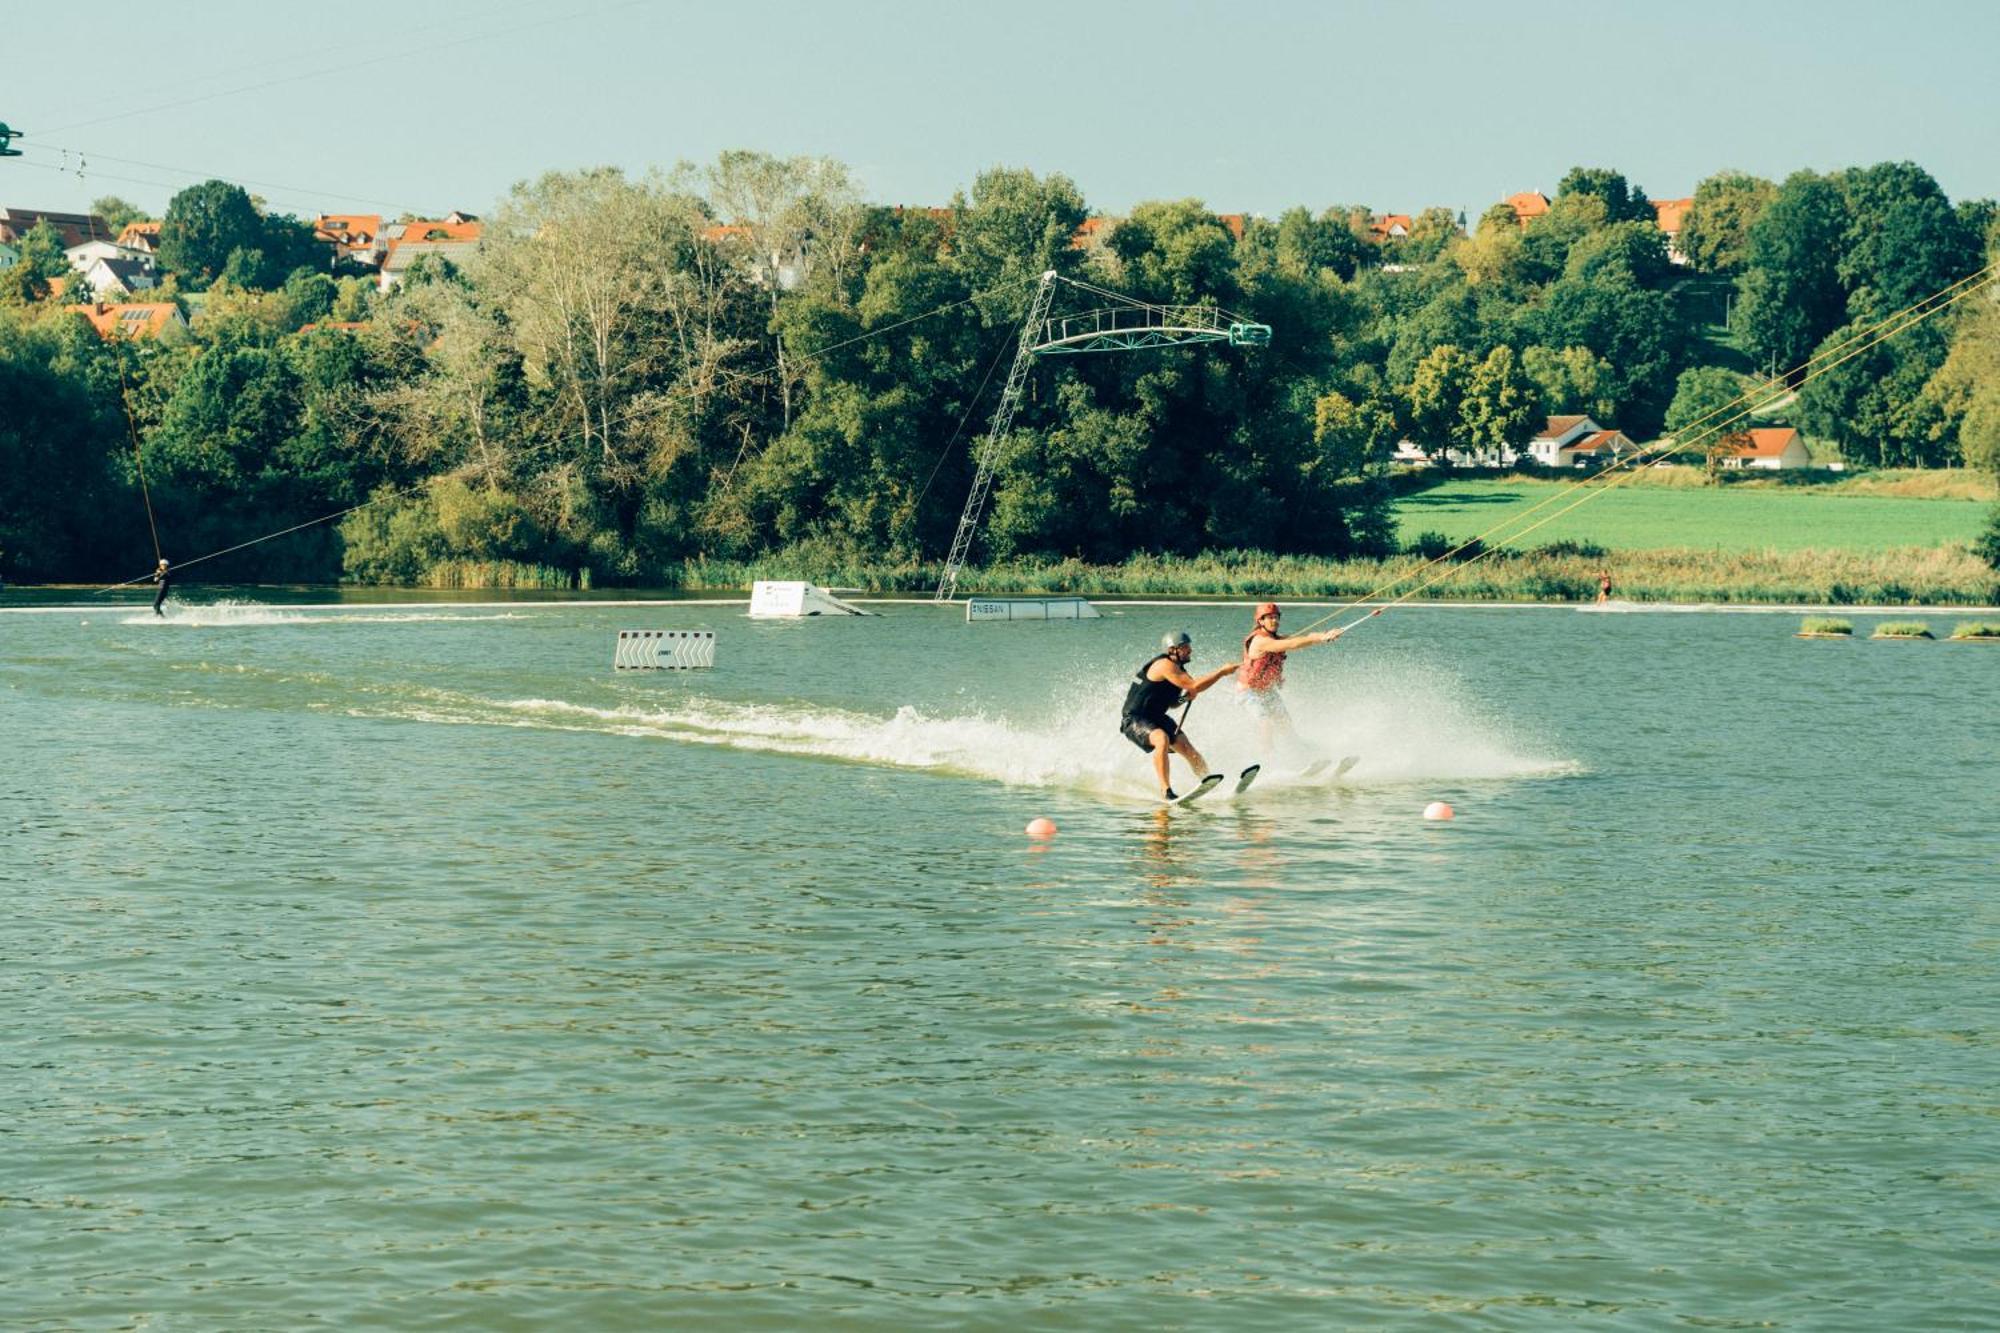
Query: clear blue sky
column 1249, row 106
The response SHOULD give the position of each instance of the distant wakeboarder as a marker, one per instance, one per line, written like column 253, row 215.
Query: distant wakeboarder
column 165, row 579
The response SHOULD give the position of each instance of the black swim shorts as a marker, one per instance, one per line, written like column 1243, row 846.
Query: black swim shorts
column 1139, row 730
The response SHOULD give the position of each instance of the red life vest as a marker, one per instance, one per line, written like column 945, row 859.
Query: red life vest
column 1263, row 672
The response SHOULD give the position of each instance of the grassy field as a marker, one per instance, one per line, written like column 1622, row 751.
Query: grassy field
column 1859, row 514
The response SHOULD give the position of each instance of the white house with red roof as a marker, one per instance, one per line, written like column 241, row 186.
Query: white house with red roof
column 1769, row 448
column 355, row 236
column 1600, row 449
column 1555, row 444
column 1670, row 213
column 1390, row 226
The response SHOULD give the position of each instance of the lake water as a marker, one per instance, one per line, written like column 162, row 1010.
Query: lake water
column 380, row 966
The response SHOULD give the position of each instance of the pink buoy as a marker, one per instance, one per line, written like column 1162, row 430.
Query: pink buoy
column 1437, row 810
column 1042, row 828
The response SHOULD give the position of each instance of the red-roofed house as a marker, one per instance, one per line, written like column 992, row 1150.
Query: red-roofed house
column 139, row 320
column 1598, row 449
column 453, row 237
column 1559, row 436
column 1390, row 226
column 1235, row 223
column 1771, row 448
column 1528, row 205
column 1091, row 231
column 1670, row 213
column 356, row 236
column 143, row 236
column 74, row 228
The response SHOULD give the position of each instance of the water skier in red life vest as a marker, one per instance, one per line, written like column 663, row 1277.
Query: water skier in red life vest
column 1263, row 671
column 1156, row 687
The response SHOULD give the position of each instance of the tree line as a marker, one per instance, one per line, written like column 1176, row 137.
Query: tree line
column 731, row 359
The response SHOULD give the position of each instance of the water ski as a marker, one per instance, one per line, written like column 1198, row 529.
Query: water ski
column 1246, row 777
column 1320, row 766
column 1203, row 788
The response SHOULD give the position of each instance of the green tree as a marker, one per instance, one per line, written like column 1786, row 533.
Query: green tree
column 1501, row 409
column 116, row 212
column 1436, row 393
column 1710, row 412
column 1307, row 245
column 1014, row 226
column 1790, row 296
column 1352, row 436
column 1904, row 241
column 1570, row 380
column 1632, row 329
column 205, row 224
column 1623, row 202
column 1715, row 232
column 1868, row 395
column 1964, row 394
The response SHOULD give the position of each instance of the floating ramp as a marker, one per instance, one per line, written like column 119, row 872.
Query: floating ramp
column 1029, row 608
column 664, row 650
column 787, row 600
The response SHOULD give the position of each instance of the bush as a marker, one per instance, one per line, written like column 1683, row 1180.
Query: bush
column 1826, row 625
column 1977, row 629
column 1987, row 547
column 1436, row 546
column 1903, row 629
column 1566, row 547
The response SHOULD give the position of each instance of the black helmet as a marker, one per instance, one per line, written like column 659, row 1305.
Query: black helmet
column 1177, row 639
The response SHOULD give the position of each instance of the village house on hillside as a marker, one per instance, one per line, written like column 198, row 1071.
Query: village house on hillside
column 138, row 320
column 1527, row 205
column 74, row 228
column 1670, row 213
column 141, row 236
column 1390, row 226
column 1564, row 442
column 353, row 236
column 1768, row 448
column 123, row 277
column 453, row 237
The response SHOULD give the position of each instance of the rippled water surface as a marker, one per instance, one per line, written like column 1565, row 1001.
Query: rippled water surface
column 398, row 966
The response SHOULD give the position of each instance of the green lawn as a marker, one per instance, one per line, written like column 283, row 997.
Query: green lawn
column 1638, row 518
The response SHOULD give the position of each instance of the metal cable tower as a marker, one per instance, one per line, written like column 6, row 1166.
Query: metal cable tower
column 989, row 448
column 1130, row 326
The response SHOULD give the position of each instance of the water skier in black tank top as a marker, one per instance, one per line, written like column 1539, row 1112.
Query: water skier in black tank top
column 165, row 579
column 1158, row 687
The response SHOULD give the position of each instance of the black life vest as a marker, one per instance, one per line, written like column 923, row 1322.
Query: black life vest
column 1151, row 698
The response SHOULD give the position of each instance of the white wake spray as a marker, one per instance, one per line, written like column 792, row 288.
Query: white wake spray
column 249, row 615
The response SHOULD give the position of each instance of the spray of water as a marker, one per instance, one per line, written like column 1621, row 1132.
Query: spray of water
column 247, row 615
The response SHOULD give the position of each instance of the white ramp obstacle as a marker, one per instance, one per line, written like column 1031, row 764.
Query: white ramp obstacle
column 664, row 650
column 1029, row 608
column 786, row 599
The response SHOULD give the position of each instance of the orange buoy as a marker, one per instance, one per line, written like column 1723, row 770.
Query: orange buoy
column 1437, row 810
column 1042, row 827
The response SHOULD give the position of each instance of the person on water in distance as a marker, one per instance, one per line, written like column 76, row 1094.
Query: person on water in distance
column 165, row 580
column 1263, row 670
column 1157, row 687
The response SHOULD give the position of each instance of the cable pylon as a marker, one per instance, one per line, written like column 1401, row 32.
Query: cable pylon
column 989, row 448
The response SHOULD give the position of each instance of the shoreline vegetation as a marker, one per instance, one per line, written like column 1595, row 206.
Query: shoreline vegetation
column 1915, row 576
